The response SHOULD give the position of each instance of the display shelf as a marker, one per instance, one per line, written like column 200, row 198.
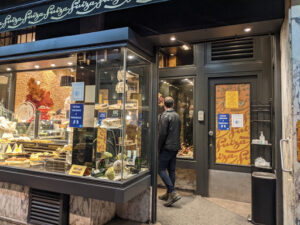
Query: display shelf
column 262, row 145
column 261, row 121
column 262, row 167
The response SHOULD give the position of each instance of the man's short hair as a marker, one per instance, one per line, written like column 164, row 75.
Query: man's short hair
column 169, row 102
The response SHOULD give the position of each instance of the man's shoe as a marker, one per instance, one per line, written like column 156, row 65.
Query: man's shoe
column 164, row 197
column 173, row 197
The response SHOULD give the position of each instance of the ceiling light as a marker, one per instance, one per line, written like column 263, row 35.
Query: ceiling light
column 52, row 65
column 70, row 63
column 172, row 54
column 102, row 60
column 130, row 56
column 37, row 66
column 185, row 47
column 8, row 69
column 248, row 29
column 81, row 67
column 173, row 38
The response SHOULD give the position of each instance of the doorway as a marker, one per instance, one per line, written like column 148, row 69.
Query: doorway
column 229, row 137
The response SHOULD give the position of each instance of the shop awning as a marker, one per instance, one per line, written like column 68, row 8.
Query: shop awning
column 64, row 10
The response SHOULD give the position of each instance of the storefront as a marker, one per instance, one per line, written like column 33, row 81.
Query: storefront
column 79, row 115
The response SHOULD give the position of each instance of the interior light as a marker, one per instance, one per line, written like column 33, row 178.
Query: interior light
column 37, row 66
column 172, row 54
column 173, row 38
column 185, row 47
column 102, row 60
column 70, row 63
column 248, row 29
column 130, row 57
column 8, row 69
column 81, row 67
column 53, row 65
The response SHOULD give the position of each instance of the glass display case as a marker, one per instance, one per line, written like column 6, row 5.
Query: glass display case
column 83, row 114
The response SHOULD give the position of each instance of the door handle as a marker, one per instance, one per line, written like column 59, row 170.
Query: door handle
column 281, row 156
column 211, row 133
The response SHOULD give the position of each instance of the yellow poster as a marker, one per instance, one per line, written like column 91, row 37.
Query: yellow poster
column 232, row 99
column 233, row 145
column 101, row 139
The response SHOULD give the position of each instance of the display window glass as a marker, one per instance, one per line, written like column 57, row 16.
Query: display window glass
column 83, row 114
column 182, row 90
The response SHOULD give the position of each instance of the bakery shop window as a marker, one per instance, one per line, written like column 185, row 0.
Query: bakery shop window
column 182, row 90
column 83, row 114
column 176, row 56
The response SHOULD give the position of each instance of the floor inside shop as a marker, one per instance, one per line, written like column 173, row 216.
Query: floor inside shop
column 196, row 210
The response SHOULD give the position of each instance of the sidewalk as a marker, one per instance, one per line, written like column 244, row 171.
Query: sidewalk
column 196, row 210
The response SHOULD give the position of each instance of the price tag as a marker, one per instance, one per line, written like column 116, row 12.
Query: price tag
column 77, row 170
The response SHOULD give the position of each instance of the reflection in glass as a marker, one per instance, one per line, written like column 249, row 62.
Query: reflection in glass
column 182, row 91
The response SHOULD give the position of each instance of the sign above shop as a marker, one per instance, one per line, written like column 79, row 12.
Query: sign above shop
column 63, row 10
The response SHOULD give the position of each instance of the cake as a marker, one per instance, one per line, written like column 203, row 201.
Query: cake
column 19, row 162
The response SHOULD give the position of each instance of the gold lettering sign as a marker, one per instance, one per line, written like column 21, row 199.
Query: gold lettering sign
column 233, row 145
column 63, row 10
column 77, row 170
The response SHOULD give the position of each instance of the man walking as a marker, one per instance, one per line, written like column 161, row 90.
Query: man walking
column 168, row 145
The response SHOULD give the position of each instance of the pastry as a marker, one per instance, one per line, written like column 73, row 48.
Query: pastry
column 101, row 106
column 131, row 106
column 111, row 122
column 22, row 162
column 106, row 155
column 120, row 87
column 118, row 165
column 110, row 173
column 120, row 75
column 114, row 106
column 36, row 157
column 18, row 149
column 8, row 150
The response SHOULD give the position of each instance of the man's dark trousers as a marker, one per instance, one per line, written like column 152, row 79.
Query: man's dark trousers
column 167, row 161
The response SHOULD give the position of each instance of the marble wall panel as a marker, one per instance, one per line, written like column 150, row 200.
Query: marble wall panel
column 87, row 211
column 137, row 209
column 14, row 201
